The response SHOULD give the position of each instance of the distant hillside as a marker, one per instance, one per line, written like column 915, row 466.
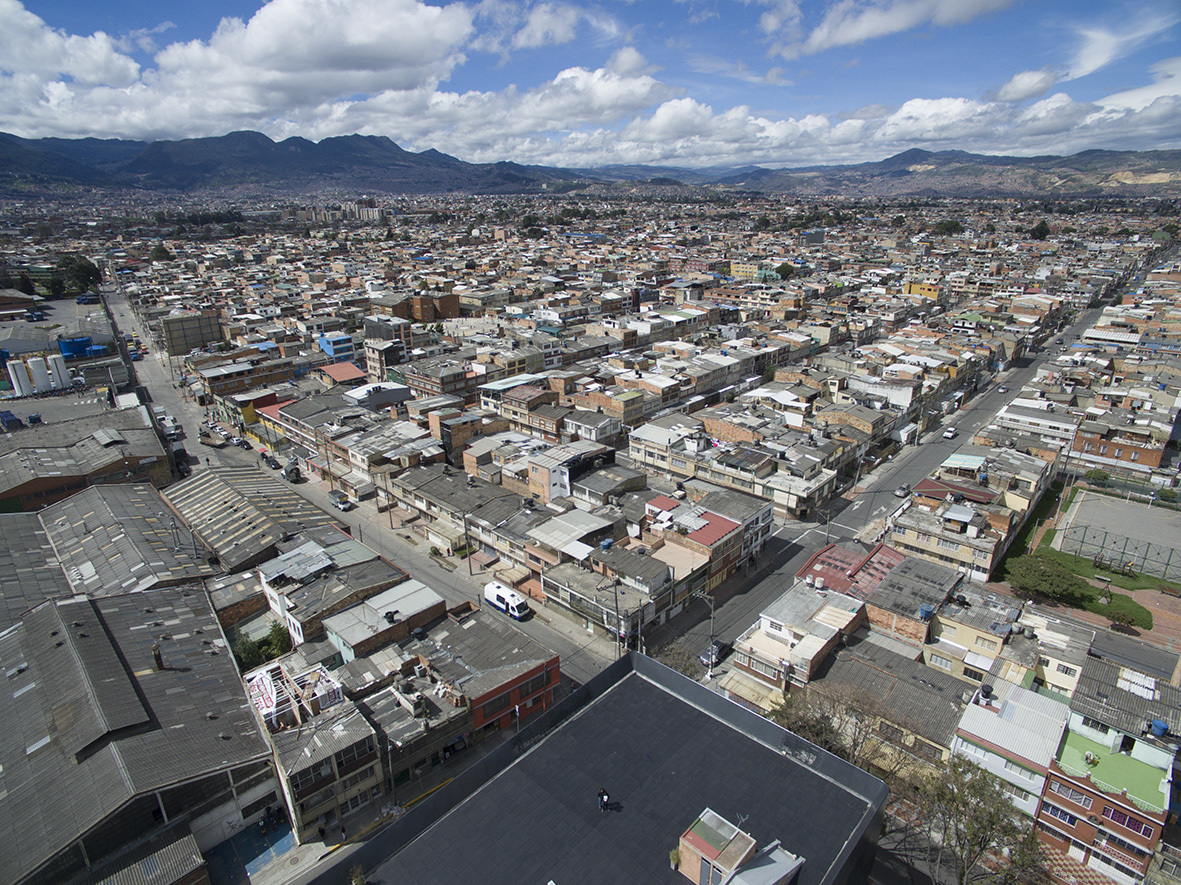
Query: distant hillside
column 351, row 162
column 960, row 174
column 375, row 164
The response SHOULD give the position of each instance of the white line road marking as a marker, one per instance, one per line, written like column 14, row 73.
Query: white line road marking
column 856, row 504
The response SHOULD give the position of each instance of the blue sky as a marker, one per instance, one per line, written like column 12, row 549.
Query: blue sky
column 674, row 82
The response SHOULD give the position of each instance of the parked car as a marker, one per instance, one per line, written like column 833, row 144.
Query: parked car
column 244, row 444
column 235, row 440
column 716, row 653
column 902, row 491
column 1003, row 389
column 272, row 462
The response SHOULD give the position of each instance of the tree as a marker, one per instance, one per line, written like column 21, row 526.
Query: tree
column 25, row 284
column 786, row 270
column 248, row 654
column 1039, row 231
column 813, row 724
column 677, row 656
column 973, row 829
column 277, row 642
column 949, row 228
column 1120, row 619
column 1040, row 575
column 848, row 722
column 80, row 272
column 1097, row 476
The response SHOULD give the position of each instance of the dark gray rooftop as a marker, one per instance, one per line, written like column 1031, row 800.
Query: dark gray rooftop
column 119, row 538
column 912, row 583
column 665, row 749
column 1129, row 652
column 1124, row 698
column 90, row 723
column 480, row 652
column 920, row 699
column 29, row 570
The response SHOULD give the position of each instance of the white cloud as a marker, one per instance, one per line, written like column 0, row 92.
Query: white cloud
column 849, row 22
column 29, row 48
column 548, row 24
column 320, row 68
column 933, row 120
column 1101, row 46
column 736, row 70
column 1166, row 84
column 1027, row 84
column 507, row 26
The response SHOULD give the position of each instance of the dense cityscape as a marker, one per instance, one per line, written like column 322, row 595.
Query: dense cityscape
column 369, row 539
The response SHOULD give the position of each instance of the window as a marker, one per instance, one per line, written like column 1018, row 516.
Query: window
column 1019, row 770
column 1135, row 456
column 890, row 732
column 1068, row 792
column 495, row 705
column 927, row 751
column 948, row 545
column 1043, row 662
column 1119, row 453
column 973, row 750
column 985, row 642
column 1095, row 724
column 353, row 753
column 1122, row 845
column 1067, row 671
column 1016, row 792
column 941, row 662
column 973, row 673
column 1133, row 824
column 1065, row 816
column 947, row 631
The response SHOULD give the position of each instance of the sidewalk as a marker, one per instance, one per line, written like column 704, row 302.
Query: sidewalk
column 250, row 858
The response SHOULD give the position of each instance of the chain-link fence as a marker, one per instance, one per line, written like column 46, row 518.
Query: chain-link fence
column 1120, row 553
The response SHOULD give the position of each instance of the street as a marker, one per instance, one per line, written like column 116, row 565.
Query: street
column 743, row 597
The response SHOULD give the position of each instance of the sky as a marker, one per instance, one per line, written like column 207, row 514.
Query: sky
column 689, row 83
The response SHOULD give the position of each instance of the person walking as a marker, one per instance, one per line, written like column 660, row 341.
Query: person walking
column 603, row 800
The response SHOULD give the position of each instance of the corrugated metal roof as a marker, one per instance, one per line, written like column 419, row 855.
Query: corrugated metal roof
column 1024, row 723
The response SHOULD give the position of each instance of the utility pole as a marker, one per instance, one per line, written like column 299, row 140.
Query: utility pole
column 709, row 651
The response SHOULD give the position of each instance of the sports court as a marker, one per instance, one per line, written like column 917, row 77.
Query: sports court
column 1134, row 535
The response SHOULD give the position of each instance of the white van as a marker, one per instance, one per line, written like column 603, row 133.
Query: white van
column 508, row 601
column 339, row 500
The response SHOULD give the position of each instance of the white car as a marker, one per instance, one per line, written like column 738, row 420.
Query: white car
column 950, row 433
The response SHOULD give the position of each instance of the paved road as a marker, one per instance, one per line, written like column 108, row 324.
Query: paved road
column 583, row 655
column 844, row 520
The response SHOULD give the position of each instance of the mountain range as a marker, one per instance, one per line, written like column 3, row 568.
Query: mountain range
column 375, row 164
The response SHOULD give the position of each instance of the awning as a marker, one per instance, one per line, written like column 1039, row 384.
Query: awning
column 512, row 576
column 750, row 691
column 578, row 550
column 483, row 560
column 979, row 661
